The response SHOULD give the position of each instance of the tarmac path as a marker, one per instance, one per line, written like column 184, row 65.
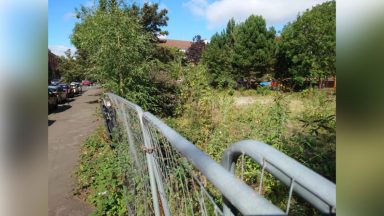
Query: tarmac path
column 68, row 127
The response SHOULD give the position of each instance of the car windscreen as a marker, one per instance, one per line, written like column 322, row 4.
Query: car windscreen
column 52, row 88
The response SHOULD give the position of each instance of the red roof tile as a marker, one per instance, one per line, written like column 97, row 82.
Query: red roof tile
column 176, row 43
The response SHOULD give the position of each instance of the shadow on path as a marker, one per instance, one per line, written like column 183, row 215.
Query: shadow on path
column 50, row 122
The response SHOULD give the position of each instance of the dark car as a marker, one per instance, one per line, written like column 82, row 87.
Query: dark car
column 60, row 93
column 67, row 89
column 52, row 100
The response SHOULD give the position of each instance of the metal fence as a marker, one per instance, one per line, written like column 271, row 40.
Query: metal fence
column 171, row 176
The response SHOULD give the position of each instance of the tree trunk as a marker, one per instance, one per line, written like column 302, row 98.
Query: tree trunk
column 334, row 84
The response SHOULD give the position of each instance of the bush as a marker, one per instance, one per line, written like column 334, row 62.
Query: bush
column 265, row 90
column 165, row 88
column 101, row 174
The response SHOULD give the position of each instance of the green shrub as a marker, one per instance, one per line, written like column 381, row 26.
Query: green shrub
column 101, row 174
column 265, row 90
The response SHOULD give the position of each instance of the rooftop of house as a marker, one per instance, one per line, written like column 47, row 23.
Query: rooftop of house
column 180, row 44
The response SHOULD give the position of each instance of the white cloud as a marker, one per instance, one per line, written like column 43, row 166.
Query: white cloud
column 197, row 7
column 275, row 12
column 59, row 50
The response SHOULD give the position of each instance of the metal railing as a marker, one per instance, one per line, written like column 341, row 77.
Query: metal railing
column 314, row 188
column 171, row 176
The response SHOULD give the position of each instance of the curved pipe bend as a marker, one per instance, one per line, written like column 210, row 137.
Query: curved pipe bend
column 314, row 188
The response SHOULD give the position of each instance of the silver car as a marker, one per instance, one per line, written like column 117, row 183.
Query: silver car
column 76, row 88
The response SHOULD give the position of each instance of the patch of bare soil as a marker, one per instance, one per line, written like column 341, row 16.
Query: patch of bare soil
column 247, row 100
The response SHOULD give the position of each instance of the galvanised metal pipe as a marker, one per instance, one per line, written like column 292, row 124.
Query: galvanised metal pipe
column 314, row 188
column 240, row 195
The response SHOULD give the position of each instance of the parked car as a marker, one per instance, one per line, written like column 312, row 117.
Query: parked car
column 52, row 100
column 60, row 93
column 55, row 82
column 86, row 82
column 76, row 88
column 67, row 89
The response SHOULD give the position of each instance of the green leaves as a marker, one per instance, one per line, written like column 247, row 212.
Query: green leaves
column 100, row 175
column 254, row 48
column 304, row 53
column 307, row 48
column 120, row 46
column 245, row 51
column 218, row 57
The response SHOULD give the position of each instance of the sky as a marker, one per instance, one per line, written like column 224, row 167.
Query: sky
column 187, row 18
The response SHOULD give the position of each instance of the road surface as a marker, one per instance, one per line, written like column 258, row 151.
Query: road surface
column 68, row 127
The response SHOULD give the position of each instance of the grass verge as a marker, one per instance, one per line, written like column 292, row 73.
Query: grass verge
column 100, row 176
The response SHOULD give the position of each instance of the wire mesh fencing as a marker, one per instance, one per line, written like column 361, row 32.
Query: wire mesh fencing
column 168, row 175
column 128, row 124
column 184, row 187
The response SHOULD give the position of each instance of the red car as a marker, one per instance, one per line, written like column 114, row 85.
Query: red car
column 86, row 82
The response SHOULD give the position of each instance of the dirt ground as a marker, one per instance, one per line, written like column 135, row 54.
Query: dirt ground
column 294, row 106
column 68, row 127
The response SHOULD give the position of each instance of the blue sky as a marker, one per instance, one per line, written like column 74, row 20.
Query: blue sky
column 187, row 18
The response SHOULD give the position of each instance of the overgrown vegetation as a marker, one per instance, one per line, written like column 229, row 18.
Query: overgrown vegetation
column 101, row 174
column 302, row 125
column 116, row 45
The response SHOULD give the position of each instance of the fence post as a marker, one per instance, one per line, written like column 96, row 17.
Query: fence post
column 153, row 174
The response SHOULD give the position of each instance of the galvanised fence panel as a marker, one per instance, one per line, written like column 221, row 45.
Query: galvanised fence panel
column 141, row 184
column 244, row 198
column 168, row 175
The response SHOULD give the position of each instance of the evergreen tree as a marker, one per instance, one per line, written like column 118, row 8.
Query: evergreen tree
column 254, row 48
column 218, row 56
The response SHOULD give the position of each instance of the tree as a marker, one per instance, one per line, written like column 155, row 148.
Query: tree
column 153, row 20
column 150, row 18
column 195, row 51
column 70, row 68
column 118, row 49
column 307, row 49
column 245, row 51
column 254, row 48
column 218, row 56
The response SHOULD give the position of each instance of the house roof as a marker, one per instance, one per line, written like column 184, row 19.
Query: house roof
column 180, row 44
